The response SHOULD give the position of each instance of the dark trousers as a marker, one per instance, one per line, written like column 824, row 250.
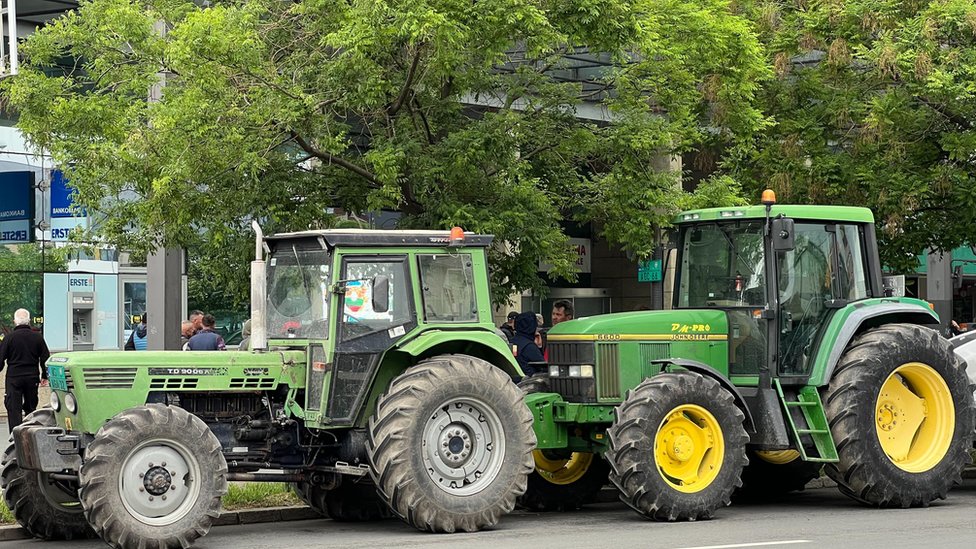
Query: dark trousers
column 20, row 400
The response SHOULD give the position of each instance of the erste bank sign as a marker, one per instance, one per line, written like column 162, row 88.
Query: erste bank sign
column 16, row 207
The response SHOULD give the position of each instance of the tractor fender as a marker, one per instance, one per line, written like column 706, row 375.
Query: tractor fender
column 706, row 370
column 861, row 317
column 477, row 343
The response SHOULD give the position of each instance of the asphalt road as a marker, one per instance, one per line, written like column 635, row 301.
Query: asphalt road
column 812, row 519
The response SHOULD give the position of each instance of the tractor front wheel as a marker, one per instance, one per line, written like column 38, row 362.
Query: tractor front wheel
column 901, row 413
column 451, row 444
column 677, row 447
column 561, row 482
column 47, row 508
column 153, row 477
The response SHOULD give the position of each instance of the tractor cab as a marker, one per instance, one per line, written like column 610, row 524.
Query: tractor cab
column 779, row 273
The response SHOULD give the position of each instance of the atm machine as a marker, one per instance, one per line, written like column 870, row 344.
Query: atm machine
column 82, row 307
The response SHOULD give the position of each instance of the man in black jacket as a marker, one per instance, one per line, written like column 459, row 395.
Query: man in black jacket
column 24, row 354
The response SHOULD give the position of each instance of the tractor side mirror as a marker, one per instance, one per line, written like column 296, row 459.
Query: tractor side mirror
column 782, row 234
column 381, row 293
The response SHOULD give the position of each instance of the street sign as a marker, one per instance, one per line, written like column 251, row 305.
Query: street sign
column 649, row 271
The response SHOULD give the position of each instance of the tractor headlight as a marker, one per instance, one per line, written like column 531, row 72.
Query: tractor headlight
column 553, row 371
column 585, row 370
column 70, row 403
column 55, row 401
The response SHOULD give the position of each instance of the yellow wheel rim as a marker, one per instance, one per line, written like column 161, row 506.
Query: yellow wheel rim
column 915, row 417
column 778, row 457
column 689, row 448
column 562, row 471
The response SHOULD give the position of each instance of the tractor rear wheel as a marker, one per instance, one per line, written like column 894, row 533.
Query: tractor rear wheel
column 902, row 416
column 47, row 508
column 561, row 482
column 677, row 447
column 450, row 444
column 771, row 474
column 153, row 478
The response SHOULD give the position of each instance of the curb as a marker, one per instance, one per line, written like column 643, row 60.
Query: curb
column 226, row 518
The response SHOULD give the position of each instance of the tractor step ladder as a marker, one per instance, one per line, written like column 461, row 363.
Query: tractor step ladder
column 808, row 402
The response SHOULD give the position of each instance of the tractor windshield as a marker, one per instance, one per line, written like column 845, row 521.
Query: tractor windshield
column 298, row 292
column 722, row 265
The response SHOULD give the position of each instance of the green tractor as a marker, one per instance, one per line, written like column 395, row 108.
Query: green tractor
column 780, row 357
column 376, row 384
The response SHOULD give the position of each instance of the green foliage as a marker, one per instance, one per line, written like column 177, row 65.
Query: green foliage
column 875, row 105
column 22, row 268
column 446, row 110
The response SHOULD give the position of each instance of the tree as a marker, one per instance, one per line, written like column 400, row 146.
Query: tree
column 22, row 268
column 874, row 105
column 452, row 112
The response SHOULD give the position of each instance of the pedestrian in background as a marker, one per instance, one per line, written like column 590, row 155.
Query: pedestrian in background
column 245, row 344
column 508, row 328
column 196, row 317
column 207, row 339
column 139, row 337
column 186, row 331
column 24, row 354
column 562, row 311
column 523, row 344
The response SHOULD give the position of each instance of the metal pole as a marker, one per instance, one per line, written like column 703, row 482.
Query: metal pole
column 12, row 24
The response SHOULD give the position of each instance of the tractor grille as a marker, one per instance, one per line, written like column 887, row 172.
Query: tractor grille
column 570, row 353
column 67, row 379
column 252, row 382
column 173, row 382
column 108, row 378
column 608, row 370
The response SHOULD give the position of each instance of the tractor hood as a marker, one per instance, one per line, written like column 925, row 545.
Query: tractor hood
column 671, row 325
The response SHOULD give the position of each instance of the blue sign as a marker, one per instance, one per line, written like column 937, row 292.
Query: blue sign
column 61, row 200
column 16, row 196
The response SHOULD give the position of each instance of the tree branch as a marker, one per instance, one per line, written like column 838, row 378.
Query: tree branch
column 338, row 161
column 407, row 85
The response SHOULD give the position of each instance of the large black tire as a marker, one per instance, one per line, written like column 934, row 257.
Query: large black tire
column 445, row 412
column 775, row 474
column 668, row 421
column 48, row 509
column 867, row 401
column 351, row 501
column 159, row 451
column 560, row 482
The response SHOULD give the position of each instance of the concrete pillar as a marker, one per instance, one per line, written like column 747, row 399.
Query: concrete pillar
column 164, row 303
column 939, row 285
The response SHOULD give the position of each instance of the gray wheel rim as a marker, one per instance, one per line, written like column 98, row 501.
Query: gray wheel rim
column 159, row 482
column 463, row 446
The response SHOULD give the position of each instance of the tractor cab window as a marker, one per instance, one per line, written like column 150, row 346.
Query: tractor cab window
column 298, row 292
column 722, row 265
column 360, row 315
column 448, row 288
column 825, row 266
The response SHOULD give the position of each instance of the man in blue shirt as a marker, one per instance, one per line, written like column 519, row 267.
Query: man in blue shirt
column 207, row 339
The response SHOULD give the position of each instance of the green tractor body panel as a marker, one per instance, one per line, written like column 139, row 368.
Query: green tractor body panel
column 106, row 382
column 622, row 346
column 482, row 342
column 847, row 321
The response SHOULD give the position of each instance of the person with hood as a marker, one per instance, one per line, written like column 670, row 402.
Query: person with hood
column 139, row 336
column 524, row 345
